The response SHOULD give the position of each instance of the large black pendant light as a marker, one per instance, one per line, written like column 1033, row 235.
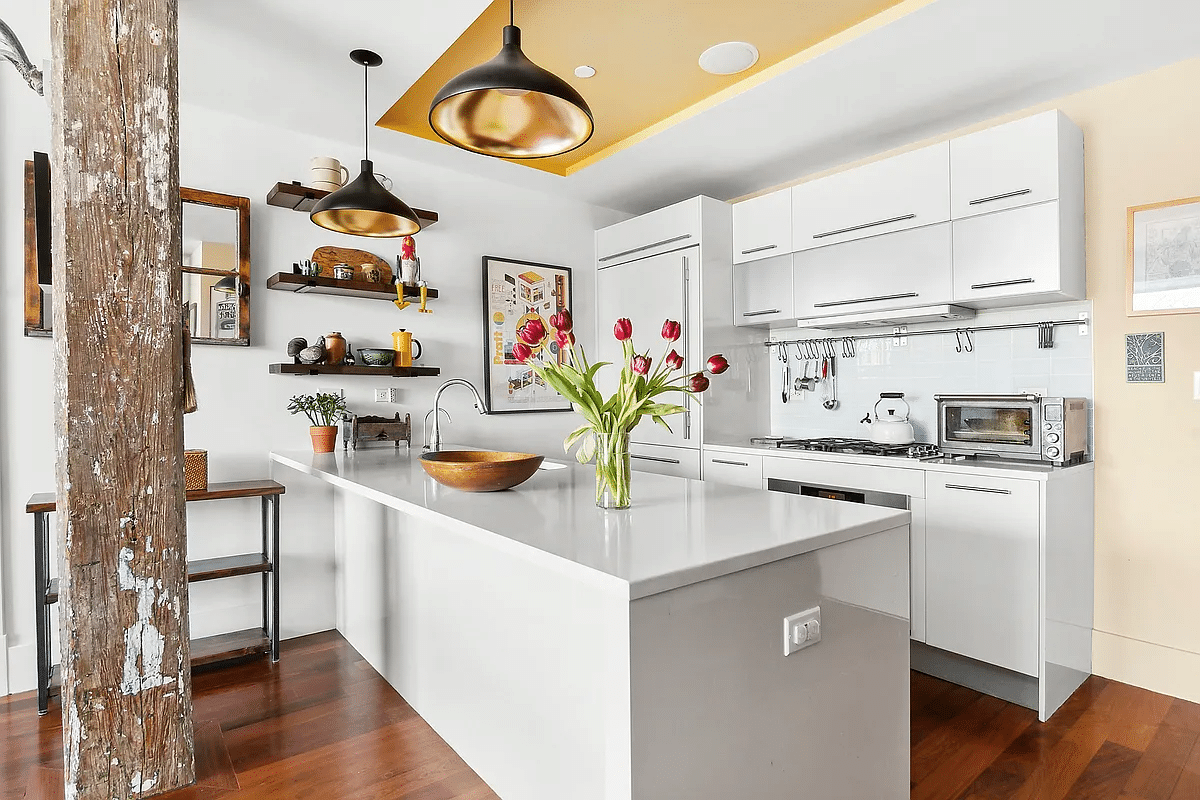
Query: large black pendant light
column 363, row 207
column 510, row 107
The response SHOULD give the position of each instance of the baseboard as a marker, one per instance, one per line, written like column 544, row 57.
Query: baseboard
column 22, row 668
column 4, row 665
column 987, row 678
column 1156, row 667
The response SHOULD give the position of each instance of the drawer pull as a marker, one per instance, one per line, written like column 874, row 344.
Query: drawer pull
column 647, row 247
column 994, row 284
column 730, row 463
column 1004, row 196
column 759, row 249
column 760, row 313
column 977, row 489
column 864, row 226
column 864, row 300
column 655, row 458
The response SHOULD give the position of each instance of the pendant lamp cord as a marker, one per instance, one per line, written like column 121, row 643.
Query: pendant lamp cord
column 512, row 14
column 366, row 117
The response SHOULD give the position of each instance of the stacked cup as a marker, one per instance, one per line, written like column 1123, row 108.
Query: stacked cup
column 327, row 174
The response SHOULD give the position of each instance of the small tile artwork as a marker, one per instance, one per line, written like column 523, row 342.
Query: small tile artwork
column 1144, row 358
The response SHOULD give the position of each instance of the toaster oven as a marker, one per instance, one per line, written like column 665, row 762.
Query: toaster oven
column 1021, row 426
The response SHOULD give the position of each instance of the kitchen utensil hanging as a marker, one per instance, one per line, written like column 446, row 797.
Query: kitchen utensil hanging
column 850, row 346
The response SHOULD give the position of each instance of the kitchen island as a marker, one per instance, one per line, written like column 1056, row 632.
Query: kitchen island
column 565, row 651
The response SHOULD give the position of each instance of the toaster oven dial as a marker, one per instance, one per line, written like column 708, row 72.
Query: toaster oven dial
column 1047, row 426
column 1052, row 451
column 1052, row 438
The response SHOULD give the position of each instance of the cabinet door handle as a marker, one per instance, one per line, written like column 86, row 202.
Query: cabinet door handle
column 865, row 300
column 759, row 249
column 1005, row 196
column 760, row 313
column 655, row 458
column 730, row 463
column 864, row 226
column 977, row 489
column 994, row 284
column 646, row 247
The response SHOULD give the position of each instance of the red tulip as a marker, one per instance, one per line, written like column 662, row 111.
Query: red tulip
column 532, row 332
column 717, row 364
column 564, row 338
column 623, row 329
column 522, row 352
column 699, row 382
column 562, row 321
column 670, row 330
column 640, row 364
column 674, row 360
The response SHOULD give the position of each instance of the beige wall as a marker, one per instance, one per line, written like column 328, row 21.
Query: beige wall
column 1142, row 140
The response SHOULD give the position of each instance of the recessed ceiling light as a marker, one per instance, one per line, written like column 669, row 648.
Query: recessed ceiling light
column 584, row 71
column 728, row 58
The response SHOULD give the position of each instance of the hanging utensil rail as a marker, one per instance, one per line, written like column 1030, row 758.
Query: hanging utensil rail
column 827, row 345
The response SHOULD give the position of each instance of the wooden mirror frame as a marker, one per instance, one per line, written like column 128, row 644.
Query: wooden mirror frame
column 35, row 199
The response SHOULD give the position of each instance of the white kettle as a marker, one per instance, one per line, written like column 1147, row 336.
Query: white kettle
column 891, row 427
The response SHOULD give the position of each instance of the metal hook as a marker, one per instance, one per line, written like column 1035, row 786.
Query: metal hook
column 958, row 340
column 970, row 343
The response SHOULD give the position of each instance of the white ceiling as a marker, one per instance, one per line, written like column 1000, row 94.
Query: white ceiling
column 948, row 65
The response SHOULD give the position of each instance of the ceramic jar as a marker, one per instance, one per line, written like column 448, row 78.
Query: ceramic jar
column 335, row 348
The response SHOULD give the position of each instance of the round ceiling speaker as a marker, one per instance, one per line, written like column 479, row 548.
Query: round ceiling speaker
column 729, row 58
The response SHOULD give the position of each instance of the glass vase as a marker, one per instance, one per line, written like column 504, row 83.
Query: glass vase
column 612, row 470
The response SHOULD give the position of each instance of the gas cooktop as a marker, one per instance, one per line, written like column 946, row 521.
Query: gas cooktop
column 860, row 447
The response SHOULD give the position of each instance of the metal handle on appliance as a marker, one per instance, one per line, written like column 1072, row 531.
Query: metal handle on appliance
column 994, row 284
column 730, row 463
column 875, row 224
column 655, row 458
column 646, row 247
column 760, row 313
column 687, row 276
column 759, row 249
column 865, row 300
column 977, row 489
column 1004, row 196
column 1012, row 397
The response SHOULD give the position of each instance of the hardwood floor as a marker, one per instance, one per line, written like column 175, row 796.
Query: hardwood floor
column 323, row 724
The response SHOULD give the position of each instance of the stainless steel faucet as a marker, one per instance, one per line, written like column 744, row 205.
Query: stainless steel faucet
column 435, row 434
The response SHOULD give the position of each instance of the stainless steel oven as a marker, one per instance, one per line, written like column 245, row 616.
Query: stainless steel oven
column 1021, row 426
column 864, row 496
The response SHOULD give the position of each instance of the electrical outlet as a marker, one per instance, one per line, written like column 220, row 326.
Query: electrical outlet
column 898, row 338
column 381, row 395
column 801, row 630
column 340, row 392
column 387, row 394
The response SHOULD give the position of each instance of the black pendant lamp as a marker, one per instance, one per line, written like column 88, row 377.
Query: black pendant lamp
column 363, row 207
column 510, row 107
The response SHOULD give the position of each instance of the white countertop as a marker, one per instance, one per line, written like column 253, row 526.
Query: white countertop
column 1031, row 470
column 677, row 532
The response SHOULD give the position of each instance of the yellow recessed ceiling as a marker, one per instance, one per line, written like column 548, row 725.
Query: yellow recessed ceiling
column 645, row 55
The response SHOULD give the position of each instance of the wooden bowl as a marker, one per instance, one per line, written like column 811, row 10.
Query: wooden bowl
column 480, row 470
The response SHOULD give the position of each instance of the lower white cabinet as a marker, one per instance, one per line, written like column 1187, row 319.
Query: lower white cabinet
column 735, row 469
column 762, row 291
column 982, row 568
column 682, row 462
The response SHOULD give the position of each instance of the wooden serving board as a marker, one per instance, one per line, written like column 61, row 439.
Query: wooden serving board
column 328, row 257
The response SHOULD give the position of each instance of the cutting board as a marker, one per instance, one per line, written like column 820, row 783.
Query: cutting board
column 328, row 257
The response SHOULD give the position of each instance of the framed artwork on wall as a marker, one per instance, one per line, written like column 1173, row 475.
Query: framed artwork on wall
column 513, row 293
column 1164, row 258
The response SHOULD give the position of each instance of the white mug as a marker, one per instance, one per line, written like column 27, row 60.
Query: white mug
column 328, row 170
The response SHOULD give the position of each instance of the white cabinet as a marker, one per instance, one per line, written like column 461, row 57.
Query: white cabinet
column 982, row 568
column 681, row 462
column 906, row 191
column 1021, row 163
column 762, row 227
column 763, row 292
column 1018, row 256
column 671, row 228
column 735, row 469
column 899, row 270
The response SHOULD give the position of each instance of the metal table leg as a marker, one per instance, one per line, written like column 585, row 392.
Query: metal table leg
column 41, row 582
column 275, row 577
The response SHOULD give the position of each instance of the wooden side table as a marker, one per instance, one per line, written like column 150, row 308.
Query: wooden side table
column 206, row 650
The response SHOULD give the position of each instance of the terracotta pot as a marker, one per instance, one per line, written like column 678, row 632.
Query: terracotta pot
column 324, row 437
column 335, row 348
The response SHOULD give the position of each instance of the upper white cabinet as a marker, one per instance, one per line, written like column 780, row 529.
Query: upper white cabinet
column 900, row 270
column 762, row 291
column 1021, row 163
column 671, row 228
column 762, row 227
column 906, row 191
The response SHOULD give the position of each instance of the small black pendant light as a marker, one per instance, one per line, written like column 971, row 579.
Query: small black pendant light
column 510, row 107
column 363, row 207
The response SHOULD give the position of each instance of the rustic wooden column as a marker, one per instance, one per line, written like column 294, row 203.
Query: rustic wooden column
column 126, row 688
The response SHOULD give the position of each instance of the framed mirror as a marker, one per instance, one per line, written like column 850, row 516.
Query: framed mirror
column 215, row 260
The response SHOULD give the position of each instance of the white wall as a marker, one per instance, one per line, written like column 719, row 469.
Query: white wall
column 242, row 408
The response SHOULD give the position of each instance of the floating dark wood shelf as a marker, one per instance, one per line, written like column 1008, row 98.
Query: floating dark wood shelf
column 291, row 282
column 342, row 369
column 302, row 198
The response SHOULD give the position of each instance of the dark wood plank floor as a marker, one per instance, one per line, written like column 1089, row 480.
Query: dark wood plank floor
column 322, row 723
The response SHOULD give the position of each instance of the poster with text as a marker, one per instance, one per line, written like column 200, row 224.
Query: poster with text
column 515, row 292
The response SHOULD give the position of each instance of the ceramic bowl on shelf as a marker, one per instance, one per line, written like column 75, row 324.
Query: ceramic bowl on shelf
column 377, row 356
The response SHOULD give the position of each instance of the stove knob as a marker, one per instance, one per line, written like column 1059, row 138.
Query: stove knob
column 1052, row 438
column 1052, row 452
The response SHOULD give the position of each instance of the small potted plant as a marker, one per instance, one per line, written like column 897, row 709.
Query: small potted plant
column 323, row 410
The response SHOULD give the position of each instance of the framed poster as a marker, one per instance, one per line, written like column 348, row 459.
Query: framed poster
column 514, row 292
column 1164, row 258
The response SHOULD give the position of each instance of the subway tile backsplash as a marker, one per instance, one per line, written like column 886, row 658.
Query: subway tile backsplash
column 1003, row 362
